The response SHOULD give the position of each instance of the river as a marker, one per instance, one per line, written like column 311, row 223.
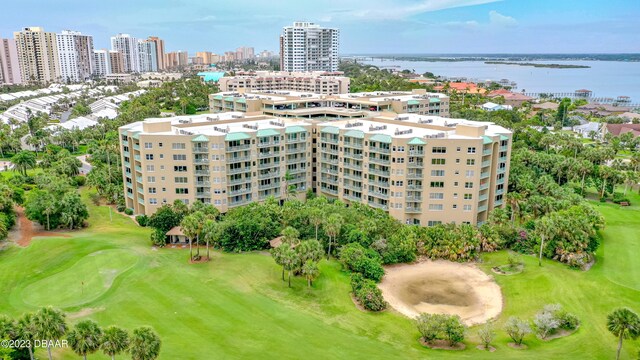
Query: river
column 603, row 78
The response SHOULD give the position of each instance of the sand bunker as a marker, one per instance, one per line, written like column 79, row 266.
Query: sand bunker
column 442, row 287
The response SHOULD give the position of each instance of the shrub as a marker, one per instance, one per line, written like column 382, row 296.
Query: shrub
column 545, row 323
column 440, row 327
column 356, row 282
column 95, row 198
column 370, row 297
column 454, row 329
column 128, row 211
column 356, row 258
column 517, row 329
column 142, row 220
column 486, row 335
column 79, row 180
column 370, row 268
column 514, row 260
column 159, row 237
column 567, row 320
column 120, row 207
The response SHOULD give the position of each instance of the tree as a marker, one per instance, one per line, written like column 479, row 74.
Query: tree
column 309, row 250
column 517, row 329
column 486, row 334
column 430, row 325
column 210, row 230
column 23, row 161
column 85, row 338
column 7, row 327
column 278, row 256
column 310, row 271
column 546, row 228
column 26, row 330
column 114, row 341
column 333, row 226
column 145, row 344
column 453, row 329
column 316, row 217
column 290, row 260
column 290, row 236
column 50, row 324
column 545, row 323
column 192, row 227
column 625, row 324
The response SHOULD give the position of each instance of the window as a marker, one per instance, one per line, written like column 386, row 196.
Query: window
column 469, row 173
column 436, row 196
column 179, row 157
column 152, row 190
column 160, row 145
column 151, row 179
column 455, row 206
column 438, row 161
column 153, row 201
column 178, row 146
column 437, row 172
column 400, row 160
column 458, row 149
column 148, row 145
column 471, row 161
column 149, row 156
column 180, row 180
column 437, row 184
column 439, row 150
column 471, row 150
column 436, row 207
column 433, row 223
column 466, row 208
column 151, row 168
column 468, row 196
column 182, row 190
column 180, row 168
column 468, row 185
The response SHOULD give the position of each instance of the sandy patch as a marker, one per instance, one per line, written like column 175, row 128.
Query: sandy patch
column 84, row 312
column 442, row 287
column 25, row 230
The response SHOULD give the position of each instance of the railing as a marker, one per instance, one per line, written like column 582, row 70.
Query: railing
column 235, row 159
column 379, row 161
column 201, row 161
column 503, row 148
column 486, row 163
column 416, row 153
column 268, row 175
column 138, row 168
column 268, row 165
column 329, row 180
column 379, row 183
column 238, row 170
column 329, row 140
column 130, row 196
column 353, row 156
column 127, row 164
column 328, row 171
column 140, row 191
column 297, row 171
column 484, row 175
column 136, row 157
column 379, row 150
column 329, row 161
column 129, row 185
column 269, row 154
column 200, row 149
column 352, row 166
column 203, row 193
column 500, row 181
column 484, row 186
column 482, row 208
column 378, row 206
column 379, row 172
column 136, row 146
column 418, row 165
column 353, row 187
column 329, row 150
column 201, row 172
column 239, row 181
column 414, row 176
column 240, row 191
column 296, row 149
column 379, row 195
column 499, row 191
column 502, row 158
column 203, row 183
column 268, row 143
column 238, row 148
column 352, row 176
column 296, row 140
column 352, row 198
column 483, row 197
column 353, row 145
column 498, row 203
column 502, row 170
column 139, row 179
column 412, row 210
column 239, row 202
column 328, row 190
column 414, row 198
column 486, row 152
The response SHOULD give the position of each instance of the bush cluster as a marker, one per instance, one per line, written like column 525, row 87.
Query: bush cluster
column 440, row 327
column 356, row 258
column 367, row 293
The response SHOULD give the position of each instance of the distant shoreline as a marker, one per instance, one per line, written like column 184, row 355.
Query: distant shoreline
column 495, row 57
column 551, row 66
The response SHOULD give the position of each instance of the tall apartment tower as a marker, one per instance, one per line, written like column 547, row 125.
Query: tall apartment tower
column 116, row 60
column 9, row 64
column 75, row 54
column 37, row 55
column 128, row 46
column 148, row 56
column 205, row 56
column 101, row 62
column 307, row 46
column 159, row 51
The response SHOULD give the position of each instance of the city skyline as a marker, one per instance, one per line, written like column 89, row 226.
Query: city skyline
column 400, row 26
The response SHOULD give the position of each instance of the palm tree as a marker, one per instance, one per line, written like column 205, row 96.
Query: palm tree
column 290, row 236
column 210, row 230
column 546, row 228
column 24, row 160
column 625, row 324
column 290, row 260
column 26, row 330
column 7, row 327
column 145, row 344
column 316, row 217
column 85, row 338
column 114, row 341
column 50, row 325
column 333, row 226
column 192, row 227
column 277, row 254
column 310, row 271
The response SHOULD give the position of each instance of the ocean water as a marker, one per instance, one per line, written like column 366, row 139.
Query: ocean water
column 604, row 78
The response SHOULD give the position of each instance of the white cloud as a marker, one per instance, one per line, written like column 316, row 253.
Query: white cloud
column 495, row 18
column 398, row 10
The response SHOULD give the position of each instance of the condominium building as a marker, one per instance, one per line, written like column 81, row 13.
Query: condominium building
column 9, row 63
column 75, row 53
column 316, row 106
column 101, row 62
column 421, row 169
column 205, row 57
column 319, row 82
column 148, row 56
column 116, row 60
column 128, row 47
column 307, row 46
column 159, row 51
column 245, row 53
column 225, row 160
column 176, row 59
column 37, row 55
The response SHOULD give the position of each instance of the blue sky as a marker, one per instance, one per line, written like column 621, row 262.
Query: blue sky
column 367, row 26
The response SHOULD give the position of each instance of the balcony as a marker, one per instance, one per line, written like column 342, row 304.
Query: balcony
column 238, row 148
column 203, row 183
column 269, row 186
column 299, row 170
column 418, row 165
column 498, row 203
column 268, row 175
column 129, row 185
column 200, row 150
column 415, row 176
column 296, row 140
column 328, row 171
column 486, row 152
column 352, row 166
column 239, row 191
column 352, row 176
column 353, row 187
column 499, row 191
column 136, row 157
column 136, row 146
column 139, row 169
column 329, row 191
column 269, row 154
column 482, row 208
column 268, row 144
column 483, row 197
column 484, row 186
column 379, row 150
column 140, row 191
column 353, row 145
column 379, row 195
column 139, row 179
column 296, row 149
column 203, row 194
column 502, row 170
column 239, row 181
column 201, row 172
column 239, row 170
column 384, row 184
column 200, row 161
column 416, row 153
column 239, row 202
column 503, row 148
column 235, row 159
column 486, row 163
column 502, row 159
column 415, row 187
column 413, row 210
column 416, row 198
column 484, row 175
column 329, row 140
column 329, row 180
column 353, row 156
column 327, row 150
column 378, row 206
column 130, row 196
column 379, row 172
column 351, row 197
column 379, row 161
column 329, row 161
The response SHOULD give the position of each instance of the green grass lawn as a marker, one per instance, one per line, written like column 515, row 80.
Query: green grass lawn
column 236, row 306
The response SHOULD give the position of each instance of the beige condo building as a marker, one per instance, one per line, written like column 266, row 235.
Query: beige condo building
column 295, row 104
column 319, row 82
column 37, row 55
column 421, row 169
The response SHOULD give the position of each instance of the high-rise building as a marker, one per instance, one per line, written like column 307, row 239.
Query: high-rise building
column 318, row 82
column 101, row 62
column 37, row 55
column 176, row 59
column 148, row 56
column 307, row 46
column 75, row 53
column 128, row 46
column 9, row 63
column 116, row 59
column 159, row 51
column 205, row 57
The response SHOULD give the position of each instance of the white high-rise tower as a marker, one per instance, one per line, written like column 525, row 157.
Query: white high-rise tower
column 307, row 46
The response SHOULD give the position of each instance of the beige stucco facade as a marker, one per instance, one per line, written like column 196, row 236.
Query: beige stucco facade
column 315, row 82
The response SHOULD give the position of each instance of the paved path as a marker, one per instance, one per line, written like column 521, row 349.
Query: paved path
column 86, row 167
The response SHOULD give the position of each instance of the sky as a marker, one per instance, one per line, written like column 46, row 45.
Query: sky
column 366, row 26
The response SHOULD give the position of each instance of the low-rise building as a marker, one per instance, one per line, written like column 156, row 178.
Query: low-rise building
column 318, row 82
